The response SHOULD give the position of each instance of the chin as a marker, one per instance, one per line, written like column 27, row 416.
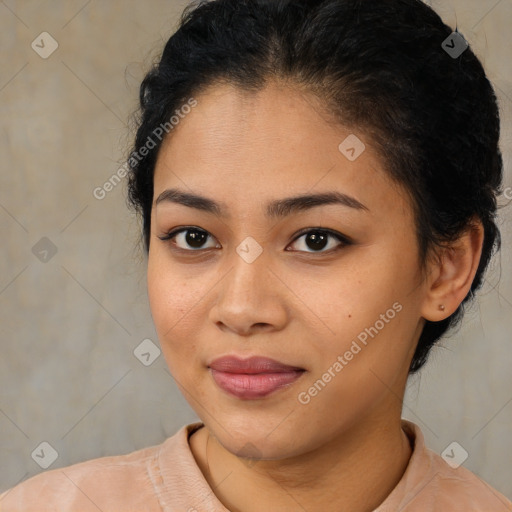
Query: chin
column 256, row 440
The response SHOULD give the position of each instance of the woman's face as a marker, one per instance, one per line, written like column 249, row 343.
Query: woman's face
column 248, row 280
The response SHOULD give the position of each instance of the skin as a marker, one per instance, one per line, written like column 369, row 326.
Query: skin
column 345, row 449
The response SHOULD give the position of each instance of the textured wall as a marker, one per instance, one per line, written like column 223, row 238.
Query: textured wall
column 73, row 304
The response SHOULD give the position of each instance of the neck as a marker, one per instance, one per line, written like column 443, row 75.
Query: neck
column 355, row 471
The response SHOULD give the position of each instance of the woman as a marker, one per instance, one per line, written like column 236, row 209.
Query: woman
column 317, row 183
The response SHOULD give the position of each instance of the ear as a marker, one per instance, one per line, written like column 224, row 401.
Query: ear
column 450, row 276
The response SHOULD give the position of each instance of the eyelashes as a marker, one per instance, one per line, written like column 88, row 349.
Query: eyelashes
column 195, row 237
column 319, row 235
column 198, row 236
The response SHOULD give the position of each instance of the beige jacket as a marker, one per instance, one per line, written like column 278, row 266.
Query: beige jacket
column 166, row 478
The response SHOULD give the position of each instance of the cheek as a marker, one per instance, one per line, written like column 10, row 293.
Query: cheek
column 174, row 304
column 368, row 316
column 343, row 300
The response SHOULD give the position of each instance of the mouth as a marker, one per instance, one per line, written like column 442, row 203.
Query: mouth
column 253, row 378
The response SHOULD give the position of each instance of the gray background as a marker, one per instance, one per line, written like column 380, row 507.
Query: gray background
column 70, row 321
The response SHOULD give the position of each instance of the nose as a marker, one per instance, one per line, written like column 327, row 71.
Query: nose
column 250, row 297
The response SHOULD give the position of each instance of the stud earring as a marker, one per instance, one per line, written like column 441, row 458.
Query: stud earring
column 441, row 307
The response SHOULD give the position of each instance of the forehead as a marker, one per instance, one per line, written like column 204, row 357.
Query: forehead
column 248, row 145
column 226, row 113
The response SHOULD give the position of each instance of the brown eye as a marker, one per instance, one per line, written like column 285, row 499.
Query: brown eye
column 316, row 240
column 188, row 239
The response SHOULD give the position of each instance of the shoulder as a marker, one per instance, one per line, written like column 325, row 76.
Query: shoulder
column 459, row 488
column 432, row 483
column 82, row 486
column 120, row 482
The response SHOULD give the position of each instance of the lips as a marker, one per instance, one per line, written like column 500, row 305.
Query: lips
column 252, row 378
column 253, row 365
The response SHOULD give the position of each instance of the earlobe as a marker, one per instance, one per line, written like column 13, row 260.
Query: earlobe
column 451, row 274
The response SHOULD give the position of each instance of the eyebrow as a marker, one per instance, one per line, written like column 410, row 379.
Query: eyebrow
column 276, row 208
